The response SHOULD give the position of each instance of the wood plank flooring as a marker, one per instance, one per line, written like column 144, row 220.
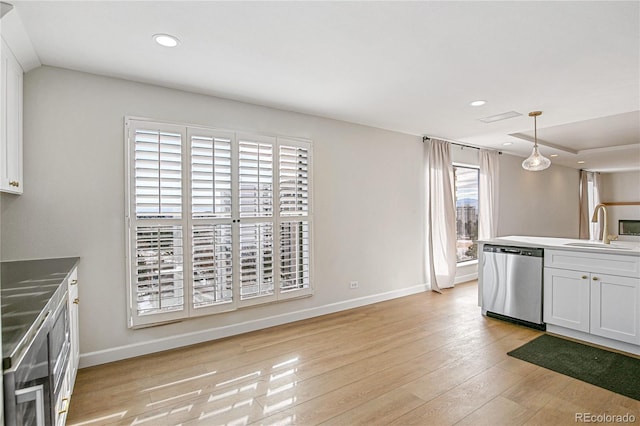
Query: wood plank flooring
column 425, row 359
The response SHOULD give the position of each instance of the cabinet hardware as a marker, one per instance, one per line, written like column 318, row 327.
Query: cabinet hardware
column 74, row 282
column 595, row 278
column 14, row 183
column 76, row 301
column 584, row 277
column 65, row 404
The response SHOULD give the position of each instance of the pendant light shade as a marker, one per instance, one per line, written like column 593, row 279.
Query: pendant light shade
column 536, row 161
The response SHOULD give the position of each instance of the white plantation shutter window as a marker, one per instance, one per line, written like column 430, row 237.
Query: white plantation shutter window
column 294, row 255
column 156, row 249
column 216, row 220
column 294, row 171
column 159, row 269
column 294, row 180
column 212, row 265
column 256, row 260
column 210, row 176
column 256, row 177
column 158, row 174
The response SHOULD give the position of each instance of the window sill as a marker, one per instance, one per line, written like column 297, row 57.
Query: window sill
column 467, row 263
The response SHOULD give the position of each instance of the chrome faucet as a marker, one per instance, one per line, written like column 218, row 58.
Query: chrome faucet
column 606, row 238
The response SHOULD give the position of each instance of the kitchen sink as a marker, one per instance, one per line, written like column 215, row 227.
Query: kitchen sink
column 599, row 245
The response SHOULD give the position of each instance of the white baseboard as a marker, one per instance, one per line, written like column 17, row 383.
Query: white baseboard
column 172, row 342
column 465, row 278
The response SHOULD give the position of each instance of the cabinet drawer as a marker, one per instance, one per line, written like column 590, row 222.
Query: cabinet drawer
column 604, row 263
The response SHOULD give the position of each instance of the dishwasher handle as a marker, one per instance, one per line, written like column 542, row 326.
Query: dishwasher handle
column 518, row 251
column 509, row 250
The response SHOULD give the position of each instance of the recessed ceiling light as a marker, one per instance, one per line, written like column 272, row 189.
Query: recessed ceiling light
column 507, row 143
column 553, row 155
column 166, row 40
column 580, row 162
column 479, row 102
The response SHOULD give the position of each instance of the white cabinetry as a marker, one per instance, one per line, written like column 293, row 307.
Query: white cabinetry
column 566, row 298
column 594, row 293
column 64, row 398
column 11, row 126
column 615, row 307
column 74, row 327
column 62, row 404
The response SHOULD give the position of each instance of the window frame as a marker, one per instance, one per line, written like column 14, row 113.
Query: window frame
column 236, row 220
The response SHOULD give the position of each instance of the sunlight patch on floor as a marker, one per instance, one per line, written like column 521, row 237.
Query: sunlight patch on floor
column 177, row 382
column 102, row 419
column 162, row 401
column 246, row 376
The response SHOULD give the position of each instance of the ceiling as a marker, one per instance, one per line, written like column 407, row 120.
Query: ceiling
column 411, row 67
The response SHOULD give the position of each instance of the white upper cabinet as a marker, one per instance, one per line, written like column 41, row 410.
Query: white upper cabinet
column 11, row 126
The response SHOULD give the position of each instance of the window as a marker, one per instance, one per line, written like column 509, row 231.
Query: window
column 216, row 221
column 466, row 190
column 593, row 198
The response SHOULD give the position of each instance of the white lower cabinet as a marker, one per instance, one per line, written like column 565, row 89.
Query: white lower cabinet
column 585, row 299
column 62, row 404
column 566, row 299
column 74, row 327
column 615, row 307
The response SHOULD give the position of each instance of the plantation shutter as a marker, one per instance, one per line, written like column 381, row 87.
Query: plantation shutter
column 211, row 222
column 294, row 162
column 294, row 181
column 212, row 265
column 215, row 221
column 256, row 176
column 256, row 260
column 256, row 183
column 158, row 174
column 157, row 243
column 210, row 176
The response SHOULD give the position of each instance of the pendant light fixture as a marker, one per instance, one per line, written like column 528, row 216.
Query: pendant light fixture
column 536, row 161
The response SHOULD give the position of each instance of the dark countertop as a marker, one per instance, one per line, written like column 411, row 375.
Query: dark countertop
column 27, row 288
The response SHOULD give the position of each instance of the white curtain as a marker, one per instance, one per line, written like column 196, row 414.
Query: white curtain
column 488, row 194
column 589, row 199
column 440, row 215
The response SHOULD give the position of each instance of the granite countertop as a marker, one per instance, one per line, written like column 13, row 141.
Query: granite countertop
column 27, row 288
column 628, row 248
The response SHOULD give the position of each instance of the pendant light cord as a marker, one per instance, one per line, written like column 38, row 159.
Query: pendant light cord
column 535, row 131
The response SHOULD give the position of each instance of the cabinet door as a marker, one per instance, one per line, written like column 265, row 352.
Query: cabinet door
column 615, row 306
column 566, row 298
column 74, row 327
column 62, row 404
column 11, row 126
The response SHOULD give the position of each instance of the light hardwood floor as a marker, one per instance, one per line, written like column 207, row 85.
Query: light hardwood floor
column 425, row 359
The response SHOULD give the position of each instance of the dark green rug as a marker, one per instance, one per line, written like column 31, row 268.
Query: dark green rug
column 609, row 370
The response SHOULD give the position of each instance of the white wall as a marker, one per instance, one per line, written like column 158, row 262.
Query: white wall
column 368, row 203
column 621, row 187
column 541, row 204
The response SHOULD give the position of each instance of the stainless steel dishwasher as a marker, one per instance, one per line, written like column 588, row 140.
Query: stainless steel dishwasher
column 512, row 284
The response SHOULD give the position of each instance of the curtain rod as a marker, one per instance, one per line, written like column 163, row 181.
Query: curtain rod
column 427, row 138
